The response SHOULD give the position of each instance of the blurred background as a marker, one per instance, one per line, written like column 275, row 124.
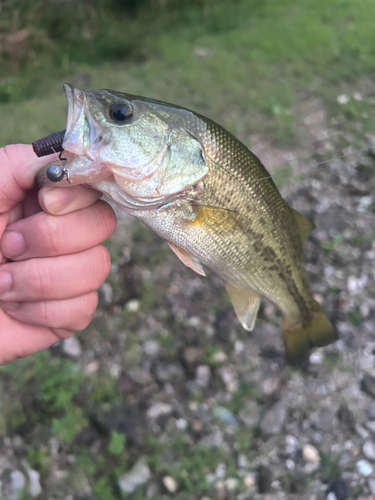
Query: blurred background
column 164, row 395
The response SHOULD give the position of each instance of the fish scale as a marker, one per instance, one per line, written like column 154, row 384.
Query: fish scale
column 206, row 194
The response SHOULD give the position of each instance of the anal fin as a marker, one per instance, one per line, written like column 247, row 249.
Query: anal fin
column 187, row 259
column 245, row 303
column 305, row 225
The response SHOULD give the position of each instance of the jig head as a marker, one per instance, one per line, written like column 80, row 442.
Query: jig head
column 47, row 146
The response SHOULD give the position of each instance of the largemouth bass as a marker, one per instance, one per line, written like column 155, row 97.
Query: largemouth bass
column 205, row 193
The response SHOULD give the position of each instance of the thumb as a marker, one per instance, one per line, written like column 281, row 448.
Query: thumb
column 18, row 166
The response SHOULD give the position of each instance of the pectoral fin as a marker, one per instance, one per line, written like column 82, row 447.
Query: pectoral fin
column 188, row 259
column 245, row 303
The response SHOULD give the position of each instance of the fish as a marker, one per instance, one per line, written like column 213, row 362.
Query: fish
column 205, row 193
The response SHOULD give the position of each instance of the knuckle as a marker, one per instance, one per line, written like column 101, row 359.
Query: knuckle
column 49, row 234
column 103, row 262
column 88, row 305
column 105, row 217
column 40, row 278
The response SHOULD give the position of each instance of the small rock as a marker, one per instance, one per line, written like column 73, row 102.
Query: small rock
column 292, row 444
column 346, row 416
column 194, row 322
column 220, row 470
column 168, row 372
column 310, row 454
column 270, row 385
column 355, row 285
column 369, row 450
column 105, row 294
column 210, row 478
column 264, row 479
column 91, row 367
column 202, row 375
column 225, row 415
column 331, row 496
column 339, row 488
column 231, row 483
column 181, row 424
column 250, row 482
column 343, row 99
column 34, row 485
column 140, row 375
column 115, row 370
column 133, row 305
column 239, row 346
column 364, row 468
column 220, row 490
column 197, row 425
column 192, row 355
column 151, row 348
column 250, row 414
column 364, row 203
column 139, row 474
column 242, row 461
column 364, row 433
column 316, row 358
column 215, row 440
column 274, row 419
column 152, row 491
column 228, row 375
column 12, row 482
column 170, row 484
column 371, row 483
column 202, row 52
column 219, row 357
column 368, row 384
column 72, row 347
column 290, row 464
column 326, row 421
column 158, row 409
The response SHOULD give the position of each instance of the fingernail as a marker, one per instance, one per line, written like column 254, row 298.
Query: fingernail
column 12, row 244
column 5, row 282
column 9, row 306
column 56, row 200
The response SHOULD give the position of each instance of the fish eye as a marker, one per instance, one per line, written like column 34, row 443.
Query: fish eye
column 120, row 112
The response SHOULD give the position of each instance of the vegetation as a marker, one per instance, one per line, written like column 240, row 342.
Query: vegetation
column 249, row 70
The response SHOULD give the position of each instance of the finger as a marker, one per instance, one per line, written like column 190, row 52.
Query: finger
column 62, row 201
column 18, row 164
column 55, row 277
column 71, row 314
column 44, row 235
column 18, row 340
column 7, row 218
column 30, row 204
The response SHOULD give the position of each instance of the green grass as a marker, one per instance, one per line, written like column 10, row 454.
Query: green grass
column 248, row 70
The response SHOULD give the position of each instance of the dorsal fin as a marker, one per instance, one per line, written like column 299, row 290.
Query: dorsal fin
column 245, row 303
column 305, row 226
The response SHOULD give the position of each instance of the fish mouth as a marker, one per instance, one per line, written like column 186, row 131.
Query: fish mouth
column 81, row 145
column 77, row 135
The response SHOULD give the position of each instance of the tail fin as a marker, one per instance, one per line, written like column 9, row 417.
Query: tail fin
column 299, row 340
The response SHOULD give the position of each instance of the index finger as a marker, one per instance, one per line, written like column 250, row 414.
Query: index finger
column 18, row 165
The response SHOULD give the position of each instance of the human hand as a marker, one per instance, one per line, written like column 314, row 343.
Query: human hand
column 51, row 261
